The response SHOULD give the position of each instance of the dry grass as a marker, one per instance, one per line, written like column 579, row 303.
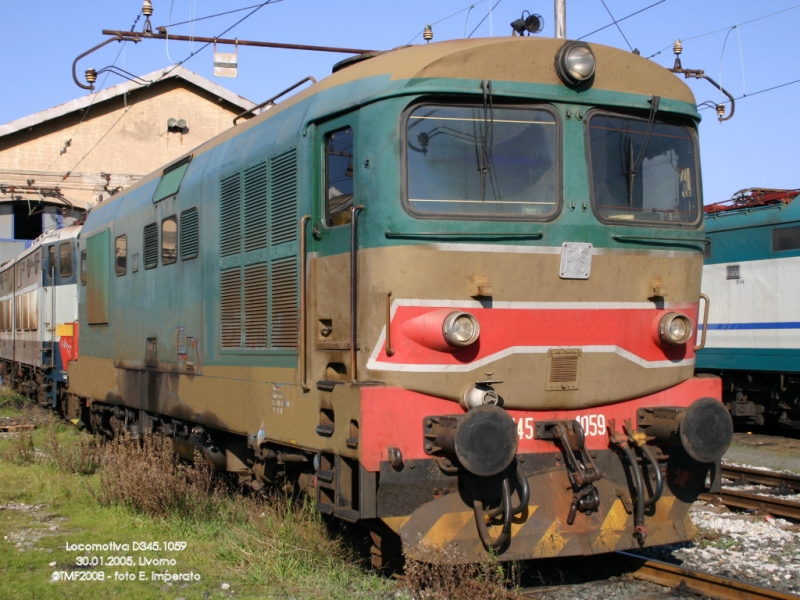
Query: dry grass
column 148, row 477
column 437, row 580
column 20, row 449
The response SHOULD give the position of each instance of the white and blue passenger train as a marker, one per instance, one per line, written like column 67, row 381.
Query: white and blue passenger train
column 38, row 314
column 752, row 275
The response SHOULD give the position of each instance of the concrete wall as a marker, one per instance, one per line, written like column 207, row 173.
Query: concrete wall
column 125, row 137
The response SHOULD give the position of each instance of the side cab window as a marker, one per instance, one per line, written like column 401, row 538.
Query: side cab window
column 339, row 164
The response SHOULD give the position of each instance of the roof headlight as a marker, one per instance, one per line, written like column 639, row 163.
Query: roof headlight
column 460, row 329
column 575, row 64
column 674, row 329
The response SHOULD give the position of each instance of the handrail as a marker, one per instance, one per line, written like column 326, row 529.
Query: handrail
column 705, row 324
column 354, row 289
column 389, row 349
column 465, row 234
column 275, row 97
column 303, row 306
column 649, row 240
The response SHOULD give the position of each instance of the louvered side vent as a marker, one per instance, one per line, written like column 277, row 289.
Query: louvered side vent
column 230, row 220
column 563, row 368
column 283, row 197
column 255, row 306
column 231, row 308
column 255, row 207
column 284, row 313
column 151, row 246
column 190, row 234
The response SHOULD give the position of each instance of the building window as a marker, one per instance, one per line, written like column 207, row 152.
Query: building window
column 169, row 240
column 171, row 180
column 151, row 246
column 339, row 158
column 121, row 255
column 65, row 259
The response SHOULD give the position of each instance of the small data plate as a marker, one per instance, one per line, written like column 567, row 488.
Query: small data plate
column 576, row 260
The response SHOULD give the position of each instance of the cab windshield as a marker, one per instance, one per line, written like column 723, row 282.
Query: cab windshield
column 466, row 161
column 643, row 172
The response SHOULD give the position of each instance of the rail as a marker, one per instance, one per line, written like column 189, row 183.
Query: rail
column 704, row 584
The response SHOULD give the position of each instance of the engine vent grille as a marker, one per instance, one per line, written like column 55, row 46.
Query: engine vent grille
column 230, row 225
column 284, row 316
column 231, row 308
column 255, row 207
column 190, row 234
column 283, row 192
column 563, row 368
column 151, row 246
column 255, row 306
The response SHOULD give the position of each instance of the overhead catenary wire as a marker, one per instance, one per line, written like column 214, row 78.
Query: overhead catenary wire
column 162, row 76
column 617, row 24
column 458, row 12
column 694, row 37
column 583, row 37
column 484, row 18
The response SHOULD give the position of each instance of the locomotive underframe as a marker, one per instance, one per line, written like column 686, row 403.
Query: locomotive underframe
column 762, row 398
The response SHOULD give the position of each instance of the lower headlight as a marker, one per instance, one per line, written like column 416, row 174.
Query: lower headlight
column 674, row 329
column 460, row 329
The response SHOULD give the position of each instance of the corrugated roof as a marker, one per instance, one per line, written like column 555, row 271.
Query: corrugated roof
column 123, row 88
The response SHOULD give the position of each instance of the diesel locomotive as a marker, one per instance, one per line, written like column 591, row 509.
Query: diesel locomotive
column 750, row 270
column 451, row 291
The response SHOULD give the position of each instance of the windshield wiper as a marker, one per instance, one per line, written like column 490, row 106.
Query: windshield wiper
column 635, row 165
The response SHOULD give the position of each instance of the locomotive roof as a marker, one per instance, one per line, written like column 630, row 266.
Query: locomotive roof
column 512, row 59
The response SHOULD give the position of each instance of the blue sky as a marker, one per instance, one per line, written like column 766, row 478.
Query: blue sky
column 754, row 149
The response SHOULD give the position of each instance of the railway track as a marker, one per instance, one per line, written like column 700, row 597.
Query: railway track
column 786, row 489
column 684, row 583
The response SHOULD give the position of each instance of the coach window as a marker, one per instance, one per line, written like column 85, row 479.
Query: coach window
column 65, row 259
column 339, row 158
column 476, row 162
column 121, row 255
column 51, row 259
column 785, row 238
column 83, row 267
column 169, row 240
column 18, row 274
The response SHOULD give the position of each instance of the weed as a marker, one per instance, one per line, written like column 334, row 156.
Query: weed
column 149, row 478
column 442, row 577
column 82, row 457
column 20, row 449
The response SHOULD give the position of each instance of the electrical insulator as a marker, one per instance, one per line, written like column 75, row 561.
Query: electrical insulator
column 677, row 47
column 428, row 33
column 91, row 75
column 720, row 110
column 147, row 8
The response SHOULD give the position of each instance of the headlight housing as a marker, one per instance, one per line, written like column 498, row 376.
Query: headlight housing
column 674, row 329
column 460, row 329
column 575, row 64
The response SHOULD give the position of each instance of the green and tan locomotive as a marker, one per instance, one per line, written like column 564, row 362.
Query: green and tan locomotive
column 451, row 290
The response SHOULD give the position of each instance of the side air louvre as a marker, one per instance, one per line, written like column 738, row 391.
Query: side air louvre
column 151, row 246
column 231, row 308
column 284, row 314
column 230, row 225
column 190, row 234
column 255, row 207
column 563, row 368
column 255, row 306
column 283, row 197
